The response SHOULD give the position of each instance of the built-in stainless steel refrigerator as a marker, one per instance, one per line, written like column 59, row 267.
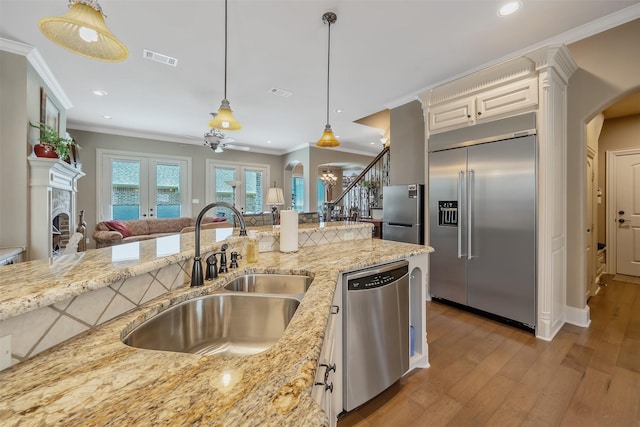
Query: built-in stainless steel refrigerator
column 403, row 213
column 482, row 221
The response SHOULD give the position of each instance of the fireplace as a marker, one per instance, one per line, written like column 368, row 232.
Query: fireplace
column 52, row 188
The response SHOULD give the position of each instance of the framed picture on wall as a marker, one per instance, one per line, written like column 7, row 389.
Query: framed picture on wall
column 49, row 113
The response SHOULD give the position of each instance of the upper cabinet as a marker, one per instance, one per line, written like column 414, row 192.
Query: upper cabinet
column 506, row 100
column 497, row 92
column 501, row 101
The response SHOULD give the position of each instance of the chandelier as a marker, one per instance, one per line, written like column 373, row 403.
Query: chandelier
column 82, row 30
column 328, row 179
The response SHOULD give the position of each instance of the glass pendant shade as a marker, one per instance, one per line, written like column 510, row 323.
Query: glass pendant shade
column 224, row 119
column 327, row 140
column 82, row 30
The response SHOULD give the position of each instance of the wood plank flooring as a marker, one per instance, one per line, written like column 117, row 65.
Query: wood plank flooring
column 484, row 373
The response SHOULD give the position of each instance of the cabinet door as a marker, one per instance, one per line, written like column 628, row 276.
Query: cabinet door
column 507, row 99
column 326, row 371
column 452, row 114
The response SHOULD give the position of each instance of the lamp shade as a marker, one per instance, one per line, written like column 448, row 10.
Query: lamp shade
column 327, row 140
column 275, row 196
column 224, row 119
column 82, row 30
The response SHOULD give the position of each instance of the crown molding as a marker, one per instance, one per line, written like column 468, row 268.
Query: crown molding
column 40, row 66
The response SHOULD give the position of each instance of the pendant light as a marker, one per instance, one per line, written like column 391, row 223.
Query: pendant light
column 224, row 119
column 327, row 140
column 82, row 30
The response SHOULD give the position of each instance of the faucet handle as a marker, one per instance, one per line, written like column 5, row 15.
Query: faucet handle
column 234, row 259
column 211, row 272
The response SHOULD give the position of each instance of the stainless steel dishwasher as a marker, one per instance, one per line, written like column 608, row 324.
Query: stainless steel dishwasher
column 375, row 330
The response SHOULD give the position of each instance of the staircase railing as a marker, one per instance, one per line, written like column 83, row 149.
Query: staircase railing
column 363, row 192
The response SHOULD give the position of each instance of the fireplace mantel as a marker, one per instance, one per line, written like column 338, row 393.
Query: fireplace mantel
column 47, row 176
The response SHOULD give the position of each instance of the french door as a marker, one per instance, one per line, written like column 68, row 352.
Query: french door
column 241, row 185
column 136, row 187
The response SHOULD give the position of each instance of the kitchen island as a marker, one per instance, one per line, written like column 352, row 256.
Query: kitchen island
column 95, row 379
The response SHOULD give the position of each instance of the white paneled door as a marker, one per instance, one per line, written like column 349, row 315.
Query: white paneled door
column 627, row 214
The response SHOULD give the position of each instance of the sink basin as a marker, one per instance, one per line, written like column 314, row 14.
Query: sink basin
column 228, row 324
column 270, row 283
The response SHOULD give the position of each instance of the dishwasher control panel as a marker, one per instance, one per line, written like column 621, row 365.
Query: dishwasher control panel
column 376, row 280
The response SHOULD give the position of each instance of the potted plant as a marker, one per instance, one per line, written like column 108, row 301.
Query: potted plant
column 51, row 144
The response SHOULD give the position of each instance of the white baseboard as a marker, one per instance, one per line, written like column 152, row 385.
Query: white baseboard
column 578, row 316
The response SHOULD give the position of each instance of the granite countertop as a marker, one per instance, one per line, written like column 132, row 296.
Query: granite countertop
column 95, row 379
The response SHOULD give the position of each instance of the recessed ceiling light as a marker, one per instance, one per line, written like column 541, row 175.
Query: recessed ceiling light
column 338, row 110
column 372, row 143
column 268, row 142
column 509, row 8
column 99, row 92
column 107, row 117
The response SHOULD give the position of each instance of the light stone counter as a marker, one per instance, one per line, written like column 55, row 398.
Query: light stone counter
column 94, row 379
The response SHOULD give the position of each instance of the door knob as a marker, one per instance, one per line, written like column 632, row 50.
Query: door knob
column 620, row 212
column 622, row 221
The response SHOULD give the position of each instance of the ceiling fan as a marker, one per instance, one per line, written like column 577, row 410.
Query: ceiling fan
column 217, row 141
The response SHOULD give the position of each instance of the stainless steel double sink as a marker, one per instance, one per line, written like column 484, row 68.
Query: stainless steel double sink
column 247, row 317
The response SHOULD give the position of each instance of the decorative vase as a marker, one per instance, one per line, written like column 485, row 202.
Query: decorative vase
column 45, row 150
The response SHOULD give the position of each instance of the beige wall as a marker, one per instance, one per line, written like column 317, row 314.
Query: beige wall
column 617, row 134
column 19, row 104
column 407, row 157
column 609, row 69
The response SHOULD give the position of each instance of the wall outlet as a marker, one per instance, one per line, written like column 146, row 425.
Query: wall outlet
column 5, row 352
column 88, row 240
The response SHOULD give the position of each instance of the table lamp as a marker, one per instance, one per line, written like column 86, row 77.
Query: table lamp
column 275, row 197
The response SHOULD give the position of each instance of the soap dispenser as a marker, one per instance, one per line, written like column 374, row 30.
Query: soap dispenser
column 252, row 247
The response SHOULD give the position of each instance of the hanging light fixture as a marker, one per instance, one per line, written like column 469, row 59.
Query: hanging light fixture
column 328, row 140
column 224, row 119
column 82, row 30
column 328, row 178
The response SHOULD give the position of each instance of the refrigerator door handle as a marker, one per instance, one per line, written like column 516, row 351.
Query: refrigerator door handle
column 460, row 184
column 470, row 176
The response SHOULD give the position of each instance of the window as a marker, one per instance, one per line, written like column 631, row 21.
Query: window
column 297, row 194
column 133, row 186
column 240, row 185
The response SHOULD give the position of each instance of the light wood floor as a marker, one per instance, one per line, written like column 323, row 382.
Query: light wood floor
column 484, row 373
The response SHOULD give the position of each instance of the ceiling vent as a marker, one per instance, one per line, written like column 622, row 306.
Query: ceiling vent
column 280, row 92
column 158, row 57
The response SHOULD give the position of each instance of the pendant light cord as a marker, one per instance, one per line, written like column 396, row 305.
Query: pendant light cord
column 225, row 49
column 328, row 67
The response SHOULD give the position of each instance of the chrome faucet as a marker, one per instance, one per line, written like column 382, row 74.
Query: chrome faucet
column 196, row 271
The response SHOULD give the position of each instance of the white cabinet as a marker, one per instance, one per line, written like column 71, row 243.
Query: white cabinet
column 507, row 99
column 452, row 114
column 327, row 387
column 491, row 104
